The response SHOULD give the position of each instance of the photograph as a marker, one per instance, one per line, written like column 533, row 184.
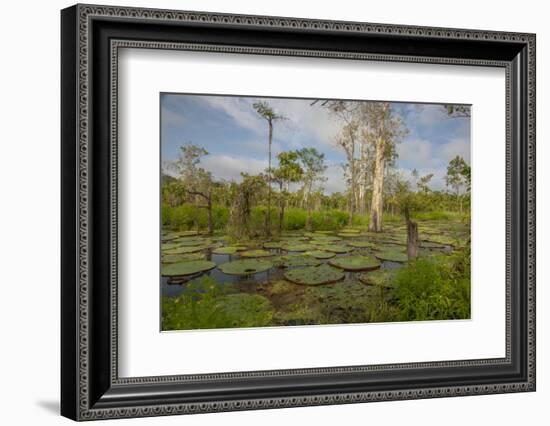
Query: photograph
column 295, row 212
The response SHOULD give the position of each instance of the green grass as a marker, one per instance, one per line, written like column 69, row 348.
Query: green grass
column 435, row 288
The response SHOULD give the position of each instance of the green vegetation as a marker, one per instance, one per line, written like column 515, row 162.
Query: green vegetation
column 432, row 289
column 275, row 248
column 204, row 305
column 314, row 275
column 355, row 263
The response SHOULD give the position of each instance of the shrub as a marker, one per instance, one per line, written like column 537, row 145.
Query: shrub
column 437, row 288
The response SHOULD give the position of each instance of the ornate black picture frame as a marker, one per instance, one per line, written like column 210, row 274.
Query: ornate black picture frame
column 91, row 37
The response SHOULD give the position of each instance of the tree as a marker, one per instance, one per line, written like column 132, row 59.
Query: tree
column 195, row 181
column 408, row 202
column 384, row 130
column 313, row 165
column 289, row 171
column 423, row 182
column 244, row 195
column 458, row 111
column 458, row 177
column 265, row 111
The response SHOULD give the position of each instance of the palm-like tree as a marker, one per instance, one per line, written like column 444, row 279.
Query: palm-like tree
column 265, row 111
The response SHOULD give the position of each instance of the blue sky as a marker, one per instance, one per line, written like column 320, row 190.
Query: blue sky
column 236, row 137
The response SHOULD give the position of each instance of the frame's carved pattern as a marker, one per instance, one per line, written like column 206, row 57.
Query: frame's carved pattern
column 86, row 12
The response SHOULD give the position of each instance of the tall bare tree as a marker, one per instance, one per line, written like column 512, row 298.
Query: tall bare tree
column 265, row 111
column 384, row 130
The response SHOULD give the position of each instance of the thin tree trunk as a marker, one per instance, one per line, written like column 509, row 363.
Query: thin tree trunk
column 377, row 203
column 268, row 217
column 281, row 208
column 412, row 239
column 210, row 221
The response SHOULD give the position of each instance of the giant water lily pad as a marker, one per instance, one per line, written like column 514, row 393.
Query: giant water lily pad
column 245, row 266
column 392, row 255
column 319, row 254
column 273, row 245
column 349, row 234
column 185, row 250
column 256, row 253
column 175, row 258
column 314, row 275
column 336, row 248
column 430, row 245
column 194, row 242
column 186, row 233
column 380, row 277
column 325, row 239
column 169, row 246
column 355, row 263
column 297, row 260
column 226, row 250
column 187, row 268
column 296, row 247
column 361, row 244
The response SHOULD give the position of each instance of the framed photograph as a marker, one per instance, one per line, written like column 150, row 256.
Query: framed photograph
column 264, row 212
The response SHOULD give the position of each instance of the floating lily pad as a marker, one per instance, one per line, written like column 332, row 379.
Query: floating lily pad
column 186, row 233
column 297, row 260
column 169, row 246
column 380, row 277
column 336, row 248
column 187, row 268
column 355, row 263
column 348, row 234
column 319, row 254
column 226, row 250
column 245, row 266
column 324, row 232
column 392, row 255
column 175, row 258
column 314, row 275
column 361, row 244
column 256, row 253
column 273, row 245
column 429, row 245
column 325, row 239
column 185, row 250
column 169, row 237
column 194, row 242
column 296, row 247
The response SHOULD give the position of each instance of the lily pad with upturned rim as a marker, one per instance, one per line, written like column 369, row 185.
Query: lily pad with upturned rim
column 187, row 268
column 314, row 275
column 273, row 245
column 361, row 244
column 320, row 254
column 255, row 253
column 355, row 263
column 185, row 250
column 296, row 247
column 297, row 260
column 245, row 266
column 175, row 258
column 336, row 248
column 392, row 256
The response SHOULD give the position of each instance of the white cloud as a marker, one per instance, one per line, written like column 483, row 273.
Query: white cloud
column 456, row 146
column 229, row 168
column 240, row 109
column 416, row 153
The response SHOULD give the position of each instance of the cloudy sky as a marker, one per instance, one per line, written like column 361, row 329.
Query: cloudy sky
column 236, row 137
